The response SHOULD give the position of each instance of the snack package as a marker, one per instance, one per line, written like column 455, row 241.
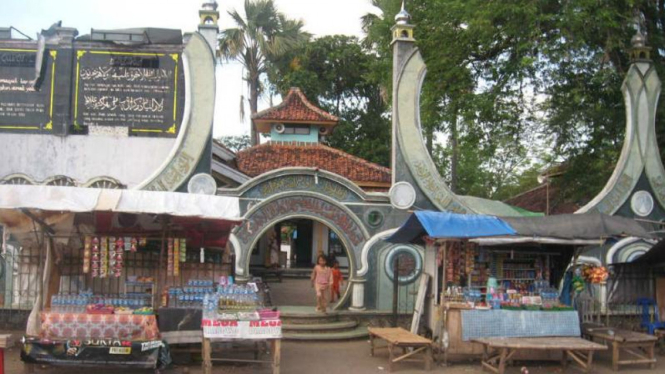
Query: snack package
column 176, row 257
column 87, row 254
column 169, row 257
column 103, row 257
column 95, row 259
column 183, row 250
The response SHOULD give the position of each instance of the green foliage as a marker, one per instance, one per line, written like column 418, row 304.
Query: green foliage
column 261, row 36
column 514, row 81
column 332, row 72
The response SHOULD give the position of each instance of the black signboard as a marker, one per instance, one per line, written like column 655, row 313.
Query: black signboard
column 141, row 91
column 22, row 107
column 97, row 352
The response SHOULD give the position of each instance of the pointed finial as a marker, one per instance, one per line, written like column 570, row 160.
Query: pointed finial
column 403, row 17
column 638, row 40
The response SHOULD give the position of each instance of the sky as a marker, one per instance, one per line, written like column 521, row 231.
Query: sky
column 321, row 17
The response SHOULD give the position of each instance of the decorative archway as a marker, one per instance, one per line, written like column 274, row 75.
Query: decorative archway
column 300, row 204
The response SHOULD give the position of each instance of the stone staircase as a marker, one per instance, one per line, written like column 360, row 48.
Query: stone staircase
column 305, row 324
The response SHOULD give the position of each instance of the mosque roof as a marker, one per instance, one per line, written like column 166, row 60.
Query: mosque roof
column 295, row 108
column 265, row 157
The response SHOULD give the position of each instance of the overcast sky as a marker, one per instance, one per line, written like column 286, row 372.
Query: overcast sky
column 321, row 17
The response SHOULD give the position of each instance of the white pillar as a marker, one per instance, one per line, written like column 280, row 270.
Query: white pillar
column 358, row 296
column 430, row 267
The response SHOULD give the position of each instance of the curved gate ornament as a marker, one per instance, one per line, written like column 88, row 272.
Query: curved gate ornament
column 298, row 205
column 408, row 132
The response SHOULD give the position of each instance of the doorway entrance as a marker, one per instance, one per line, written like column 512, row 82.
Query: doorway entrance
column 285, row 255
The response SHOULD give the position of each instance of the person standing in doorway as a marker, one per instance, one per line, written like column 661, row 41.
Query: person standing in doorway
column 337, row 280
column 321, row 279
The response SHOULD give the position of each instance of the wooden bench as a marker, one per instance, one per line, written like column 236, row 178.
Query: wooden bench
column 660, row 334
column 638, row 345
column 497, row 351
column 397, row 337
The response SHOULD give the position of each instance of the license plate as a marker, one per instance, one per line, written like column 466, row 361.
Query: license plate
column 120, row 350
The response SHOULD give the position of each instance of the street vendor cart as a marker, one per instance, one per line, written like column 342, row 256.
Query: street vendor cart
column 235, row 314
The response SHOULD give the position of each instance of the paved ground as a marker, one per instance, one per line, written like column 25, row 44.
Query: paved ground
column 338, row 358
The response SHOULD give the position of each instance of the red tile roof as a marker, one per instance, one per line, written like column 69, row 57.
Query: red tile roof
column 535, row 200
column 295, row 108
column 270, row 156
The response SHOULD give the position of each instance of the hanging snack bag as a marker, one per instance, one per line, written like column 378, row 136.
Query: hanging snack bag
column 183, row 250
column 176, row 256
column 128, row 244
column 103, row 257
column 135, row 244
column 169, row 257
column 87, row 254
column 94, row 260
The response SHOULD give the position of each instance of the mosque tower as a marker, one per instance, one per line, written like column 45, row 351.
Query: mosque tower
column 208, row 19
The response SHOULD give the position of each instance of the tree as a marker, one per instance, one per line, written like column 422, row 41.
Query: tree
column 261, row 35
column 516, row 81
column 332, row 72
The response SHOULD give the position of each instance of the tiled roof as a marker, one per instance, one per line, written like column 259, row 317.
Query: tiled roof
column 295, row 108
column 270, row 156
column 535, row 200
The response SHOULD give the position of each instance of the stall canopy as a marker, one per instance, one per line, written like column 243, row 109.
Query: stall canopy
column 449, row 225
column 590, row 228
column 206, row 219
column 79, row 200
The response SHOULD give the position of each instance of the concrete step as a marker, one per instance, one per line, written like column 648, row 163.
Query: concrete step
column 359, row 332
column 298, row 315
column 317, row 328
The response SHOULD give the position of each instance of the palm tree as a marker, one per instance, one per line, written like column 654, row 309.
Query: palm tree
column 263, row 34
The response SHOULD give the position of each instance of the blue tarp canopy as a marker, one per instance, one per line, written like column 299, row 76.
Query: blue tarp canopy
column 587, row 228
column 445, row 225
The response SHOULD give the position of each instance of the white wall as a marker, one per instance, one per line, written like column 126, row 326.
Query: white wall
column 130, row 160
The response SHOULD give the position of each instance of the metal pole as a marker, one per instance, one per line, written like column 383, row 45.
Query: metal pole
column 395, row 288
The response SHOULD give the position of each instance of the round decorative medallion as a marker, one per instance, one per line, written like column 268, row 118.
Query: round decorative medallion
column 642, row 203
column 409, row 266
column 374, row 218
column 402, row 195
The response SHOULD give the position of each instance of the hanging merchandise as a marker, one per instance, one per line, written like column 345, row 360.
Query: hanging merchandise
column 103, row 257
column 127, row 243
column 176, row 257
column 112, row 247
column 183, row 250
column 87, row 253
column 119, row 249
column 143, row 242
column 134, row 245
column 95, row 259
column 169, row 257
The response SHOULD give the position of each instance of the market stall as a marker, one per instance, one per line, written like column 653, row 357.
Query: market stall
column 498, row 277
column 110, row 257
column 237, row 313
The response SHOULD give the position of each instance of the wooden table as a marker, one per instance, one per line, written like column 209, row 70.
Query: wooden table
column 497, row 351
column 6, row 341
column 275, row 348
column 638, row 345
column 660, row 334
column 397, row 337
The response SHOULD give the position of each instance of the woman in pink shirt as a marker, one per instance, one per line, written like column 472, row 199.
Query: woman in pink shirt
column 321, row 280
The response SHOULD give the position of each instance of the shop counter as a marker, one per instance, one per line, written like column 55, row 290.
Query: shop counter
column 464, row 325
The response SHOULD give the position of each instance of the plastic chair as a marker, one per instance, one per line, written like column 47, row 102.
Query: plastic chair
column 647, row 322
